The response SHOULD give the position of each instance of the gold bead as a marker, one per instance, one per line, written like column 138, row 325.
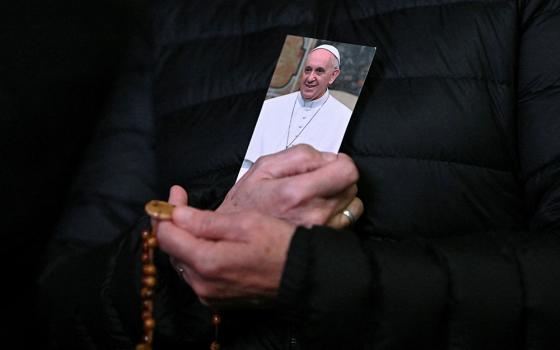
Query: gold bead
column 149, row 281
column 148, row 305
column 215, row 346
column 148, row 338
column 143, row 346
column 149, row 324
column 149, row 269
column 146, row 293
column 145, row 258
column 146, row 315
column 152, row 242
column 216, row 319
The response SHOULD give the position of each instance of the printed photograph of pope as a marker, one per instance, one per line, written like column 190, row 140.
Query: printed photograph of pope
column 311, row 115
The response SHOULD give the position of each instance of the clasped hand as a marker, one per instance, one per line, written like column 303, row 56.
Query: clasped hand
column 238, row 252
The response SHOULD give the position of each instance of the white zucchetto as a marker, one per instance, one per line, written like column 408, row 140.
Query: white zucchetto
column 331, row 49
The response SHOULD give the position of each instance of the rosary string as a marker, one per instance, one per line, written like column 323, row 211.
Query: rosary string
column 158, row 211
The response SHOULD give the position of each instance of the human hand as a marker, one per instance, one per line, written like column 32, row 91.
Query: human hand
column 239, row 251
column 226, row 257
column 300, row 185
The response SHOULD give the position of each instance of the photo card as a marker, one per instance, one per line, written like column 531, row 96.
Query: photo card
column 311, row 97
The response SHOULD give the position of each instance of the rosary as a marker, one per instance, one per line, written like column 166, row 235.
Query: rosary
column 158, row 211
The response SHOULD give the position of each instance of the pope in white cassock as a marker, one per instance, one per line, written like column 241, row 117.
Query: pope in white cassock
column 311, row 115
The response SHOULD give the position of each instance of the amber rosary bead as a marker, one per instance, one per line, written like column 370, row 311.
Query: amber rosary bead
column 149, row 324
column 215, row 346
column 158, row 211
column 148, row 337
column 143, row 346
column 149, row 269
column 146, row 293
column 145, row 258
column 148, row 305
column 152, row 242
column 146, row 315
column 216, row 319
column 149, row 281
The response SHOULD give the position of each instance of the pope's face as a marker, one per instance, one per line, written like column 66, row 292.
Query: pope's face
column 317, row 75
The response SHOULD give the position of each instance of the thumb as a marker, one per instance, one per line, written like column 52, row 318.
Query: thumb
column 178, row 195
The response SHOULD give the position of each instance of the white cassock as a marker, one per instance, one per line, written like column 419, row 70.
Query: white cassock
column 289, row 120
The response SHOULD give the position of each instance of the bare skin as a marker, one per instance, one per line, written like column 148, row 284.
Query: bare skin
column 300, row 185
column 238, row 252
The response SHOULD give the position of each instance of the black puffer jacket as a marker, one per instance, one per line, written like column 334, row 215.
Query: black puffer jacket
column 457, row 140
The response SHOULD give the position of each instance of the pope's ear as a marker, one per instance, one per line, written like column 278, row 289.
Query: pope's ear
column 334, row 75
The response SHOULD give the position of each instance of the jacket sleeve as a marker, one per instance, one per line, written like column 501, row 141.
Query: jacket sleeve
column 91, row 298
column 114, row 181
column 484, row 290
column 116, row 176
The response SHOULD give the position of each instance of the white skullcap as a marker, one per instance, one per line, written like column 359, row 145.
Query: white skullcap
column 331, row 49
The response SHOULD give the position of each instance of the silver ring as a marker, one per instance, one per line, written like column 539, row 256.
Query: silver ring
column 179, row 269
column 349, row 215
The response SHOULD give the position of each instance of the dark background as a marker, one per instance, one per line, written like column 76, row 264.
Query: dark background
column 58, row 60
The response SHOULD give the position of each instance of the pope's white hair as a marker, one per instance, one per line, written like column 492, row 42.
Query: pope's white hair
column 334, row 61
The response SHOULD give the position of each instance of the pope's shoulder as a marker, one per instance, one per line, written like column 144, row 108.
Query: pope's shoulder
column 281, row 99
column 340, row 108
column 275, row 105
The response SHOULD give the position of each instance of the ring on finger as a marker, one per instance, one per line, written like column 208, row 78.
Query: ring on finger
column 349, row 215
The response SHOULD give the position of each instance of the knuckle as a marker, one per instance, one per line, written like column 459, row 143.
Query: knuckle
column 264, row 162
column 303, row 148
column 305, row 152
column 350, row 169
column 208, row 268
column 246, row 223
column 290, row 195
column 317, row 217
